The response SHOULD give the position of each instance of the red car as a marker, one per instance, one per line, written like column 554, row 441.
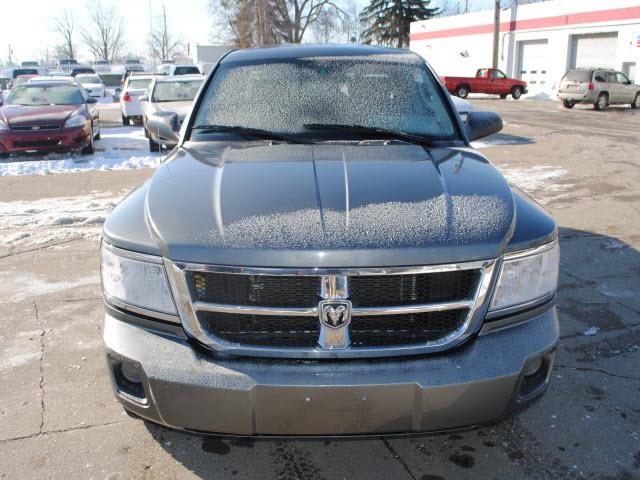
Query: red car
column 48, row 116
column 487, row 80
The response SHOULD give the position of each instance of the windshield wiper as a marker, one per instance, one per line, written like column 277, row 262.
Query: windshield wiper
column 378, row 131
column 250, row 132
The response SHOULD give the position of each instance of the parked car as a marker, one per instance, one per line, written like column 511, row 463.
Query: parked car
column 81, row 71
column 170, row 97
column 48, row 117
column 183, row 70
column 487, row 80
column 598, row 86
column 324, row 253
column 19, row 80
column 92, row 83
column 66, row 62
column 30, row 63
column 131, row 70
column 134, row 87
column 16, row 72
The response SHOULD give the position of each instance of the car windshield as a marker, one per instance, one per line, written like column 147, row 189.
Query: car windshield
column 33, row 95
column 178, row 91
column 578, row 75
column 387, row 92
column 139, row 83
column 185, row 70
column 88, row 79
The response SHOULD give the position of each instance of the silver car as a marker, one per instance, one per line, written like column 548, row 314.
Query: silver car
column 172, row 97
column 599, row 86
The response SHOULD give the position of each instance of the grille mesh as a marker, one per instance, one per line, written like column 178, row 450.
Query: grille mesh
column 394, row 290
column 254, row 290
column 405, row 329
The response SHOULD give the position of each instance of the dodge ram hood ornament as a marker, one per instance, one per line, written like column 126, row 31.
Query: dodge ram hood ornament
column 335, row 314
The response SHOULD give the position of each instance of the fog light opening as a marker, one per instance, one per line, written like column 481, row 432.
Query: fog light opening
column 128, row 377
column 534, row 378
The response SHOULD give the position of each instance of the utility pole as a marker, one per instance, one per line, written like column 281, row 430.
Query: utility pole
column 496, row 33
column 466, row 6
column 10, row 62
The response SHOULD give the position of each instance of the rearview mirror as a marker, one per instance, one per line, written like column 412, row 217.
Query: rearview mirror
column 163, row 127
column 483, row 124
column 144, row 98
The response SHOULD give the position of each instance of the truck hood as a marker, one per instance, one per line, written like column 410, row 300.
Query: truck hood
column 328, row 205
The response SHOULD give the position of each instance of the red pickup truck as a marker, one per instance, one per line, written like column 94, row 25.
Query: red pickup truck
column 487, row 80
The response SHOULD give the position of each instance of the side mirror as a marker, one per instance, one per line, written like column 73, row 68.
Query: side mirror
column 483, row 124
column 144, row 98
column 92, row 100
column 163, row 125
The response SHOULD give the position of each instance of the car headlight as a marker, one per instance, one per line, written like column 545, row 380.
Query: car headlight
column 140, row 282
column 3, row 126
column 76, row 121
column 527, row 276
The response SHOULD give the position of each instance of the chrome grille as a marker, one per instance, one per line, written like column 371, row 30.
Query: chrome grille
column 35, row 128
column 277, row 312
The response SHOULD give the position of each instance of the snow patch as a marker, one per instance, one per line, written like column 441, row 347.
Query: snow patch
column 591, row 331
column 48, row 219
column 28, row 285
column 122, row 148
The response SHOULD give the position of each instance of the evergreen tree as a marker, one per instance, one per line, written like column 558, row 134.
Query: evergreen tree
column 387, row 21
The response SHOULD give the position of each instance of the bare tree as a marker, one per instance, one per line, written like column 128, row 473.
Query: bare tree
column 63, row 24
column 294, row 17
column 162, row 44
column 104, row 34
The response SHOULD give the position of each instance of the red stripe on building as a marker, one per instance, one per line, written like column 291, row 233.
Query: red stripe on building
column 598, row 16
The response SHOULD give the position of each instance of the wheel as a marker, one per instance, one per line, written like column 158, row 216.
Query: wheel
column 88, row 150
column 516, row 92
column 503, row 96
column 125, row 120
column 146, row 133
column 568, row 103
column 462, row 91
column 636, row 101
column 153, row 146
column 601, row 102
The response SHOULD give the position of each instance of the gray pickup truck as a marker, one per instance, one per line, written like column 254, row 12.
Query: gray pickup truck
column 324, row 253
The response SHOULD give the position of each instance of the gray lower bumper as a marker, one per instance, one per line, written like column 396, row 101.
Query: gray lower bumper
column 578, row 97
column 190, row 389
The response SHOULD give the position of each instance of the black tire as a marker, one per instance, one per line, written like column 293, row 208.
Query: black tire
column 125, row 120
column 503, row 96
column 462, row 91
column 601, row 102
column 516, row 92
column 153, row 146
column 146, row 133
column 636, row 101
column 568, row 103
column 89, row 149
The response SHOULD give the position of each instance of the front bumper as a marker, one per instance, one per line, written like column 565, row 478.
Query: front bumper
column 187, row 388
column 53, row 140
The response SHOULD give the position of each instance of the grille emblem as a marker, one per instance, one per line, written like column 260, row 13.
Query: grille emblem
column 335, row 314
column 35, row 127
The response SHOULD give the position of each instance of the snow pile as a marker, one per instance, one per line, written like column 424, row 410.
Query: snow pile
column 123, row 148
column 49, row 219
column 544, row 182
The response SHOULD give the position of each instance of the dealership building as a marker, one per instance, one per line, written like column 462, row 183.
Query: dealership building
column 538, row 42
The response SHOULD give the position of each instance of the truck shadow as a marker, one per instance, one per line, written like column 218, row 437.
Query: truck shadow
column 599, row 305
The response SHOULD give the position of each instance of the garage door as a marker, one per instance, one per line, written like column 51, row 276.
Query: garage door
column 533, row 60
column 596, row 50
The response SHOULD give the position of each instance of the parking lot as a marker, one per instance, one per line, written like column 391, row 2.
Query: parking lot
column 58, row 416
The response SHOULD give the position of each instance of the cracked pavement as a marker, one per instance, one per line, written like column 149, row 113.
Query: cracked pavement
column 59, row 419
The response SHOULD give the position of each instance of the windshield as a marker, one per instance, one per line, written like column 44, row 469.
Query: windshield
column 139, row 83
column 178, row 91
column 88, row 79
column 33, row 95
column 392, row 92
column 578, row 75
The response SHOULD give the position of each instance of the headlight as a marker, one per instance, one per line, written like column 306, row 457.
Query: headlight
column 75, row 121
column 3, row 126
column 527, row 276
column 137, row 282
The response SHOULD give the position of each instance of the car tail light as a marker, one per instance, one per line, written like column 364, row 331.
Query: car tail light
column 590, row 85
column 127, row 97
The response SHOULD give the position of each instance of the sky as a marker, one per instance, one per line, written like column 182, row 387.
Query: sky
column 25, row 24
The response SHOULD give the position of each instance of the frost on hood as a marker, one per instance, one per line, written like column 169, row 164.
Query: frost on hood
column 454, row 219
column 381, row 91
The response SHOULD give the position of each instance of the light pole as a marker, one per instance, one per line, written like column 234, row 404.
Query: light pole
column 496, row 33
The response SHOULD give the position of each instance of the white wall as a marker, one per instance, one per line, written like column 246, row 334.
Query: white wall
column 462, row 54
